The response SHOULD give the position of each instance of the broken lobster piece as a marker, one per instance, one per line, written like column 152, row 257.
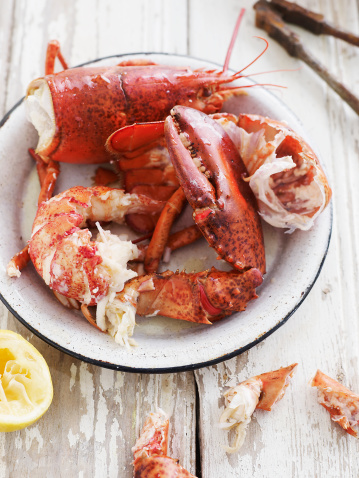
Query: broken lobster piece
column 341, row 403
column 210, row 171
column 262, row 392
column 95, row 272
column 150, row 451
column 284, row 172
column 202, row 297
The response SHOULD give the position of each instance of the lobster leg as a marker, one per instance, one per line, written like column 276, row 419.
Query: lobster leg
column 48, row 186
column 18, row 262
column 178, row 239
column 53, row 51
column 41, row 165
column 48, row 174
column 184, row 237
column 210, row 172
column 162, row 230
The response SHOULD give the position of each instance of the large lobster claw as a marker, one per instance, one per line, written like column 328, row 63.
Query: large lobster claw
column 210, row 172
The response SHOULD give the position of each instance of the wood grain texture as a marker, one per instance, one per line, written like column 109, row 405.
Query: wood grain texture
column 97, row 414
column 297, row 437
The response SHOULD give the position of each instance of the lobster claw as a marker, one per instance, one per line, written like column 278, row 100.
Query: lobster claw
column 210, row 170
column 133, row 137
column 202, row 297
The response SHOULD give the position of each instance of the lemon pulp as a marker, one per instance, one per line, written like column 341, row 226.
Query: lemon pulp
column 25, row 382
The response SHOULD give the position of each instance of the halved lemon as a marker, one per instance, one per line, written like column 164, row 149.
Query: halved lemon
column 25, row 383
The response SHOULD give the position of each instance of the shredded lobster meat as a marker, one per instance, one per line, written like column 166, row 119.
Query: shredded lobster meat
column 284, row 173
column 262, row 392
column 241, row 401
column 150, row 451
column 153, row 438
column 40, row 112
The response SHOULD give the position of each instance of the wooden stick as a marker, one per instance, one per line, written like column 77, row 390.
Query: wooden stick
column 311, row 21
column 272, row 23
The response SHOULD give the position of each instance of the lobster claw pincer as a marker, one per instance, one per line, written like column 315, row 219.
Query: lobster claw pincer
column 210, row 170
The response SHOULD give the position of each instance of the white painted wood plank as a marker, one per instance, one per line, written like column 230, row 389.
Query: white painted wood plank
column 297, row 438
column 6, row 26
column 95, row 417
column 96, row 414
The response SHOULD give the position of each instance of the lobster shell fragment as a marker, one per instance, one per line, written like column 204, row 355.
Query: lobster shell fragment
column 150, row 451
column 262, row 392
column 341, row 403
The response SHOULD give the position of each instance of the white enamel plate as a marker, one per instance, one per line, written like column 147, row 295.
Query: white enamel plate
column 293, row 263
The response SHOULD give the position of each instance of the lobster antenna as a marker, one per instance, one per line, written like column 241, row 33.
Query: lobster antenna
column 262, row 53
column 233, row 39
column 250, row 86
column 271, row 71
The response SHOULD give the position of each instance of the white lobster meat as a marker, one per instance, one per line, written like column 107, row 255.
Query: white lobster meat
column 261, row 391
column 284, row 172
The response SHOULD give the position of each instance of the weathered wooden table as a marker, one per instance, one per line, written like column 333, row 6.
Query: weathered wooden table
column 96, row 413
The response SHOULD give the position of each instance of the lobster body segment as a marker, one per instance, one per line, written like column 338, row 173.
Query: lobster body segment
column 83, row 106
column 210, row 169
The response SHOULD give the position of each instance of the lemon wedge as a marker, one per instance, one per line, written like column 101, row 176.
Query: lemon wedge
column 25, row 383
